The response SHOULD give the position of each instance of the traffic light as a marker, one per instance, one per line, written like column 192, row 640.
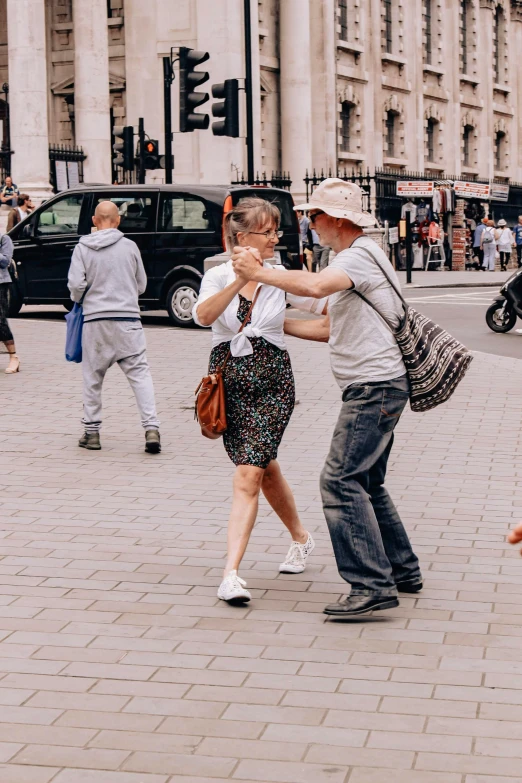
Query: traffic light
column 123, row 147
column 189, row 100
column 228, row 108
column 151, row 156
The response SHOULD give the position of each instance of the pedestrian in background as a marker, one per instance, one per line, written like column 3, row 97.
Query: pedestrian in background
column 6, row 336
column 304, row 225
column 259, row 385
column 24, row 207
column 9, row 193
column 488, row 244
column 517, row 233
column 478, row 252
column 321, row 253
column 505, row 242
column 107, row 276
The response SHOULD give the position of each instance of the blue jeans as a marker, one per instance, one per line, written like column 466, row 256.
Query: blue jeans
column 371, row 546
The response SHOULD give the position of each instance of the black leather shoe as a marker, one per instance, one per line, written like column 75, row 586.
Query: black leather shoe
column 409, row 586
column 361, row 604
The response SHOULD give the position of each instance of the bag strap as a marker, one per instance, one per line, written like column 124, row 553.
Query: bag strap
column 394, row 288
column 245, row 322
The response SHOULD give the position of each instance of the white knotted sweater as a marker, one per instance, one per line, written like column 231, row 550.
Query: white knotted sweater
column 268, row 315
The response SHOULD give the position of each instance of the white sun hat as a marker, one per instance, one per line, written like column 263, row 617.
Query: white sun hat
column 501, row 222
column 339, row 199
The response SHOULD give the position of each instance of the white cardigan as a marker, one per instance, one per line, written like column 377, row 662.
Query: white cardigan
column 268, row 314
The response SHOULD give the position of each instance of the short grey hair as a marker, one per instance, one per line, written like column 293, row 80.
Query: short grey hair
column 250, row 214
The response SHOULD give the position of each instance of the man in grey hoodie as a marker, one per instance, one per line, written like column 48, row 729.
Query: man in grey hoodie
column 107, row 276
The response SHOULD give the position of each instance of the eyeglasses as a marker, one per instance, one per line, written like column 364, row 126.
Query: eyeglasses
column 312, row 216
column 268, row 234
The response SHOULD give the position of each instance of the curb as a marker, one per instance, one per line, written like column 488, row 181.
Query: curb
column 454, row 285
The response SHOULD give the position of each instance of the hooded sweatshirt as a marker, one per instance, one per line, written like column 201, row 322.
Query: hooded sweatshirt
column 108, row 267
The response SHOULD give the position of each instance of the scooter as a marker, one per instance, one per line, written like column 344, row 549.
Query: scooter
column 502, row 315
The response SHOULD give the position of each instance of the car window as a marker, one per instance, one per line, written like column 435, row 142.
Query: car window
column 183, row 212
column 61, row 217
column 136, row 211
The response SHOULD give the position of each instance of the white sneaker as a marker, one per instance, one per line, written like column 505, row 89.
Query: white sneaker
column 295, row 561
column 233, row 589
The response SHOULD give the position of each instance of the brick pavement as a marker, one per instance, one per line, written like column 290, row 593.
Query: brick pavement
column 119, row 665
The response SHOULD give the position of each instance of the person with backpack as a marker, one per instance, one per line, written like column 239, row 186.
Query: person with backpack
column 505, row 241
column 371, row 546
column 488, row 244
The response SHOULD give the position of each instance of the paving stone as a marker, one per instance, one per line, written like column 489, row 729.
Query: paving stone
column 116, row 654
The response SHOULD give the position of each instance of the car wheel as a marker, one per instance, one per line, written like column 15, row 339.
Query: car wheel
column 15, row 301
column 181, row 298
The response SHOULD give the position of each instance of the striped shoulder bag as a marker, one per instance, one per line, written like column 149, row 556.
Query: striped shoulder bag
column 435, row 361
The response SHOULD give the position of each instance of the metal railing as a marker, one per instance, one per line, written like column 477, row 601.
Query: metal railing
column 278, row 179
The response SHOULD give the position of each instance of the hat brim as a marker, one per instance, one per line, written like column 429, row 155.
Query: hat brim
column 363, row 219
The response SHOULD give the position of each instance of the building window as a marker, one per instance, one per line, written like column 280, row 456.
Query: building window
column 467, row 136
column 431, row 133
column 426, row 12
column 343, row 19
column 498, row 43
column 346, row 121
column 390, row 134
column 465, row 19
column 500, row 140
column 388, row 26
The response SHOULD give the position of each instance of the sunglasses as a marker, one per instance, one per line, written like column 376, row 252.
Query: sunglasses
column 313, row 215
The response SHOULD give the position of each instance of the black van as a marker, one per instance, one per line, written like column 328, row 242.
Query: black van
column 175, row 226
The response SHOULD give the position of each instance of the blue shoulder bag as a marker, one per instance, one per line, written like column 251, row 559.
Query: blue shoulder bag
column 73, row 336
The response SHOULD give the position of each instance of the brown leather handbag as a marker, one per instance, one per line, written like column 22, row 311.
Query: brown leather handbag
column 210, row 406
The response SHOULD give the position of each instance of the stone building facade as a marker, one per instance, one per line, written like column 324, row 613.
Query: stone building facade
column 425, row 85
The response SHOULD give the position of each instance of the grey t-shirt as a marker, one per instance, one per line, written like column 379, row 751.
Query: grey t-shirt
column 362, row 347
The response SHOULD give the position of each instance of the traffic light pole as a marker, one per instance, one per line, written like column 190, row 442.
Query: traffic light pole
column 168, row 78
column 141, row 142
column 248, row 92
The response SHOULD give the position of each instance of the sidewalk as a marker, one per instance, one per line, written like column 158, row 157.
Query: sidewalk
column 119, row 665
column 421, row 279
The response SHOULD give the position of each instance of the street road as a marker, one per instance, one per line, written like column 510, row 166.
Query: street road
column 118, row 664
column 459, row 310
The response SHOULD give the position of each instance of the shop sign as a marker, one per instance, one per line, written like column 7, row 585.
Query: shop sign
column 415, row 188
column 499, row 192
column 393, row 235
column 471, row 190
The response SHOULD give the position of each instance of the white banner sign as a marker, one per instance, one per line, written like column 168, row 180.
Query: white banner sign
column 393, row 235
column 415, row 188
column 73, row 173
column 61, row 175
column 471, row 190
column 499, row 192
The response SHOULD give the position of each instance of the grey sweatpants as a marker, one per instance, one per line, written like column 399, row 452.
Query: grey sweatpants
column 105, row 343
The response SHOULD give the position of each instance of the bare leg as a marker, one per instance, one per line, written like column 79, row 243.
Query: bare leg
column 245, row 501
column 14, row 361
column 279, row 495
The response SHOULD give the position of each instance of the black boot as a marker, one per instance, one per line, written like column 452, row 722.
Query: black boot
column 152, row 442
column 409, row 586
column 90, row 441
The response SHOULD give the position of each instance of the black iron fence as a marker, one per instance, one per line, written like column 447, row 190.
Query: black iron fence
column 5, row 164
column 380, row 191
column 278, row 179
column 65, row 166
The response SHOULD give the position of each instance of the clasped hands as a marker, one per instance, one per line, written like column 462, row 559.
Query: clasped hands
column 246, row 262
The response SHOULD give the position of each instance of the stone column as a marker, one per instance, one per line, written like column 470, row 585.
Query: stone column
column 28, row 96
column 91, row 88
column 296, row 94
column 485, row 64
column 325, row 100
